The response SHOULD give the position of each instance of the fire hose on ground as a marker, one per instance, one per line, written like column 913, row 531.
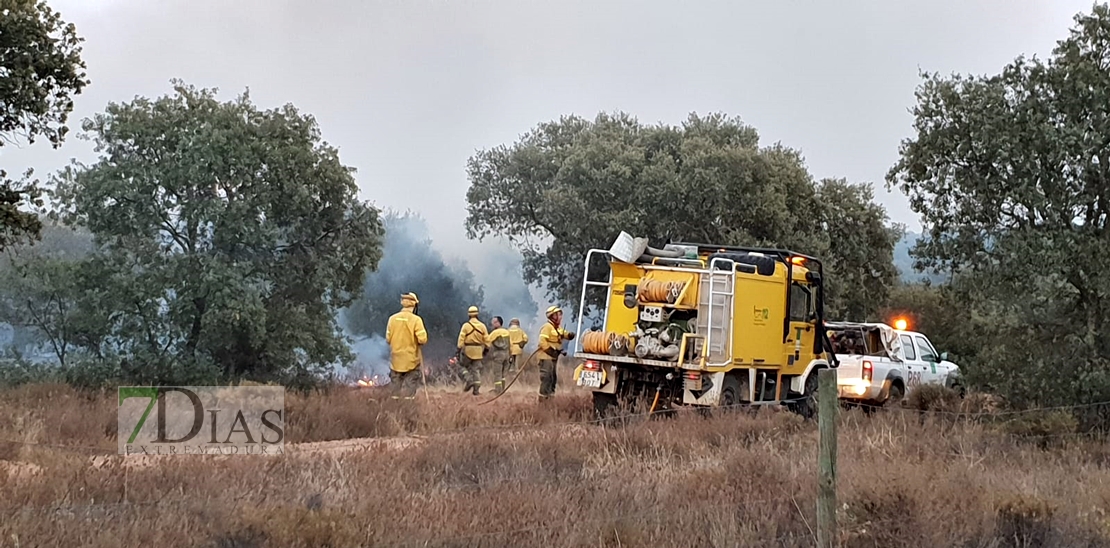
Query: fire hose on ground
column 515, row 377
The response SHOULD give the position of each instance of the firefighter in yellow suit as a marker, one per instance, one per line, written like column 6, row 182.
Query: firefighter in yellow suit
column 405, row 334
column 472, row 348
column 551, row 340
column 517, row 339
column 499, row 346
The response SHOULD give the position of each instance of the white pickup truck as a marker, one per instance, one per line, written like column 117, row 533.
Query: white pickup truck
column 880, row 364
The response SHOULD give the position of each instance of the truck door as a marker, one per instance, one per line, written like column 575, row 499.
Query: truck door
column 914, row 368
column 800, row 335
column 930, row 361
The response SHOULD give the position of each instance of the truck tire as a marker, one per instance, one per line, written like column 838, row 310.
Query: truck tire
column 730, row 392
column 958, row 386
column 605, row 406
column 807, row 408
column 897, row 393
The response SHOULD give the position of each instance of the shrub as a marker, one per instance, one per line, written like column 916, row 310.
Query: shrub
column 294, row 527
column 932, row 397
column 1024, row 521
column 885, row 517
column 17, row 372
column 93, row 373
column 1042, row 427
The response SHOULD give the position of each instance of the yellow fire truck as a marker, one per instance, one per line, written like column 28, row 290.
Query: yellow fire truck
column 703, row 325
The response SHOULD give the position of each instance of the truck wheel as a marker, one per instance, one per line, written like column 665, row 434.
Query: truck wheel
column 730, row 392
column 894, row 398
column 807, row 408
column 604, row 406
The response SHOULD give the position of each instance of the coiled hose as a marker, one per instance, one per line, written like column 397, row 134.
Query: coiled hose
column 605, row 342
column 655, row 291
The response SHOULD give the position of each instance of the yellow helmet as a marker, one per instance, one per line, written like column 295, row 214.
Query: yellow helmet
column 473, row 311
column 410, row 296
column 553, row 310
column 514, row 321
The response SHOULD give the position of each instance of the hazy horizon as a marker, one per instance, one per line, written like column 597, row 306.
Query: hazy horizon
column 409, row 90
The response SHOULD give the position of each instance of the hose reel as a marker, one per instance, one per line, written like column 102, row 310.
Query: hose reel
column 655, row 291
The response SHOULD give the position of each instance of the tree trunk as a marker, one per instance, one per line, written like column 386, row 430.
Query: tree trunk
column 200, row 304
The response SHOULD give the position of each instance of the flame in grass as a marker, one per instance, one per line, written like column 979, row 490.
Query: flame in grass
column 370, row 382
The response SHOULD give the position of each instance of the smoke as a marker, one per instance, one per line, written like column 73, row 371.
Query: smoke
column 371, row 359
column 446, row 287
column 499, row 272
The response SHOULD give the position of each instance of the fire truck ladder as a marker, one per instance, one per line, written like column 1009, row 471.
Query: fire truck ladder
column 715, row 305
column 586, row 284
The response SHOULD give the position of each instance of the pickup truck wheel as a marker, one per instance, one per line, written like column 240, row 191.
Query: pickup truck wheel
column 894, row 398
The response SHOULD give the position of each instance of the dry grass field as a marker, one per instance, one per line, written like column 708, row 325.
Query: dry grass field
column 446, row 472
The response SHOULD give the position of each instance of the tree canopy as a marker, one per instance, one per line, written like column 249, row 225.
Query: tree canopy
column 1011, row 176
column 40, row 71
column 574, row 184
column 229, row 236
column 40, row 288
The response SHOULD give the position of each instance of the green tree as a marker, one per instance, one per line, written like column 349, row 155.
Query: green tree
column 40, row 72
column 1011, row 176
column 230, row 235
column 939, row 312
column 42, row 288
column 858, row 248
column 574, row 184
column 42, row 296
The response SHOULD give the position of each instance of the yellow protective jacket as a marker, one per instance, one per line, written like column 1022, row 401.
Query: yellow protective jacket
column 517, row 339
column 499, row 333
column 472, row 339
column 405, row 334
column 551, row 341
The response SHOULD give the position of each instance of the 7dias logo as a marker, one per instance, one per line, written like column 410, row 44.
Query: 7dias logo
column 201, row 420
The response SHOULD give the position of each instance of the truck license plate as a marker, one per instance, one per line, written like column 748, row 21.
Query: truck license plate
column 591, row 379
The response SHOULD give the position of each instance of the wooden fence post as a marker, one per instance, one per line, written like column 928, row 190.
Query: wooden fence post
column 827, row 409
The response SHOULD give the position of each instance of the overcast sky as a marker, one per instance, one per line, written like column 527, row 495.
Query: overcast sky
column 409, row 89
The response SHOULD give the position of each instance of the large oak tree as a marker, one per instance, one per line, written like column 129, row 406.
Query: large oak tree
column 40, row 72
column 574, row 184
column 229, row 235
column 1011, row 176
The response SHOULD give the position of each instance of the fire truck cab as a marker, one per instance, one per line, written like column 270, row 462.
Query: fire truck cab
column 701, row 325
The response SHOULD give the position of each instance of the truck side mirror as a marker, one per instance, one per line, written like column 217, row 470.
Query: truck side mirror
column 944, row 356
